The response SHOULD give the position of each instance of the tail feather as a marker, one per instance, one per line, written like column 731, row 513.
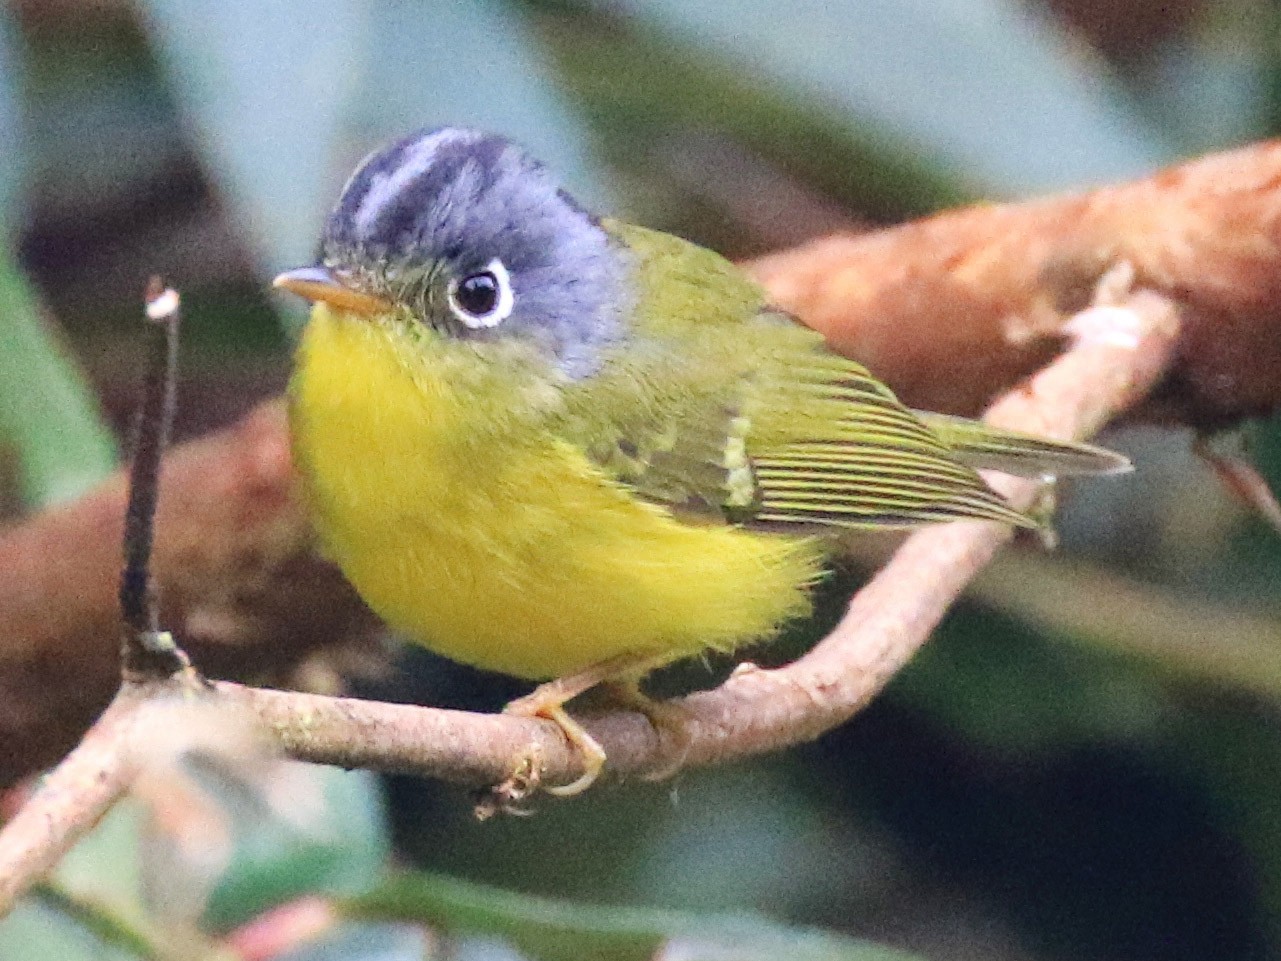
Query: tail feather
column 989, row 448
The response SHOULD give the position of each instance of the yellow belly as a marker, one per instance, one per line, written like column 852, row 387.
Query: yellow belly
column 515, row 556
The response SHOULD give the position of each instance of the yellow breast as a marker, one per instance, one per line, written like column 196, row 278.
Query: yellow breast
column 502, row 548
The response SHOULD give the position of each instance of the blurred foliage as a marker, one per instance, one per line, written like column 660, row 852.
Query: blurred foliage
column 50, row 929
column 1085, row 764
column 549, row 930
column 60, row 447
column 60, row 444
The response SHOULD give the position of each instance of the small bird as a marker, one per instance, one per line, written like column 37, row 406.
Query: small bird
column 564, row 447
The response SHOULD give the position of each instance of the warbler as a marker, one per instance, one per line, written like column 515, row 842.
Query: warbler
column 560, row 446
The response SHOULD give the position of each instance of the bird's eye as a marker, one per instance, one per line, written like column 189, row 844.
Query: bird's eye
column 482, row 299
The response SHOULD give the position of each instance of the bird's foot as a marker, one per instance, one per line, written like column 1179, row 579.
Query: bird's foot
column 548, row 701
column 669, row 719
column 509, row 796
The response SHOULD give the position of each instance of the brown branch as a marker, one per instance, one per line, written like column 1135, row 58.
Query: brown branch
column 954, row 309
column 88, row 781
column 234, row 571
column 754, row 711
column 950, row 310
column 72, row 799
column 151, row 438
column 147, row 652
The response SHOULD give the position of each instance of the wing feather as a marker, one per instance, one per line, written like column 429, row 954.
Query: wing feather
column 854, row 456
column 1022, row 455
column 723, row 409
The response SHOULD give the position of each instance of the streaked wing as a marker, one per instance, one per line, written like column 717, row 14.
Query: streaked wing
column 1022, row 455
column 724, row 409
column 804, row 439
column 856, row 457
column 685, row 463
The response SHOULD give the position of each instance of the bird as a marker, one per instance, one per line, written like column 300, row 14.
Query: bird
column 574, row 450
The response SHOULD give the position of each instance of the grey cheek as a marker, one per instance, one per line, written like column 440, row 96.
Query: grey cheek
column 577, row 324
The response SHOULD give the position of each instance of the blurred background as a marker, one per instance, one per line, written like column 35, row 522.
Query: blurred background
column 1085, row 762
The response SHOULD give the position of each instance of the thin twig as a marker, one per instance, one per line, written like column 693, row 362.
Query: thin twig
column 75, row 795
column 92, row 777
column 1240, row 479
column 146, row 651
column 72, row 798
column 233, row 563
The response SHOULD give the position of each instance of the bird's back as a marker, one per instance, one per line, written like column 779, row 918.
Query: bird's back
column 725, row 407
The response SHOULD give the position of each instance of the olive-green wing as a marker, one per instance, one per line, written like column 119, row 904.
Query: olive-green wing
column 834, row 446
column 1022, row 455
column 684, row 461
column 723, row 409
column 794, row 436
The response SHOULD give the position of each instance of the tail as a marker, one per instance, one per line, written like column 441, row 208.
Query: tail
column 1022, row 455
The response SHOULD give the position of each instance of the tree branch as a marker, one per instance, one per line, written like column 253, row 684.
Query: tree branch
column 950, row 311
column 756, row 710
column 234, row 572
column 1121, row 352
column 954, row 309
column 89, row 780
column 72, row 799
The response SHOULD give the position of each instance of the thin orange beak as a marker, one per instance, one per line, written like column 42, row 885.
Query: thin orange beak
column 322, row 285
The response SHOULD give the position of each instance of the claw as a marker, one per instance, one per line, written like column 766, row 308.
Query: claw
column 668, row 718
column 548, row 701
column 509, row 796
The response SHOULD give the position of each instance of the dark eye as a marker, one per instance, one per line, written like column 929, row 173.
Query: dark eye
column 478, row 294
column 482, row 299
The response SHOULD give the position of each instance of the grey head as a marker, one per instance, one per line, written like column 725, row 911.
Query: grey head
column 478, row 241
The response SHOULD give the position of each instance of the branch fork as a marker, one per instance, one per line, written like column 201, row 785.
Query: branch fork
column 1119, row 350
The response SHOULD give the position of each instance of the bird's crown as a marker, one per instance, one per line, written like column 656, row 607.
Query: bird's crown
column 477, row 238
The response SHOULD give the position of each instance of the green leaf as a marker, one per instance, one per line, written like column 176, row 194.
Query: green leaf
column 1010, row 690
column 553, row 930
column 645, row 91
column 101, row 882
column 105, row 866
column 1156, row 627
column 1236, row 757
column 93, row 906
column 99, row 128
column 265, row 87
column 472, row 63
column 13, row 152
column 306, row 829
column 43, row 929
column 47, row 413
column 1208, row 85
column 285, row 99
column 989, row 85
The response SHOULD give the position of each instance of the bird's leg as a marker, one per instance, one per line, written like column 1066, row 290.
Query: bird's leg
column 548, row 701
column 666, row 717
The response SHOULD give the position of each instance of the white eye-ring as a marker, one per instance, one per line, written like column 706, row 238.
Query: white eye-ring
column 484, row 298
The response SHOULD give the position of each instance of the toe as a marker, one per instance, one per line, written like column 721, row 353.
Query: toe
column 592, row 754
